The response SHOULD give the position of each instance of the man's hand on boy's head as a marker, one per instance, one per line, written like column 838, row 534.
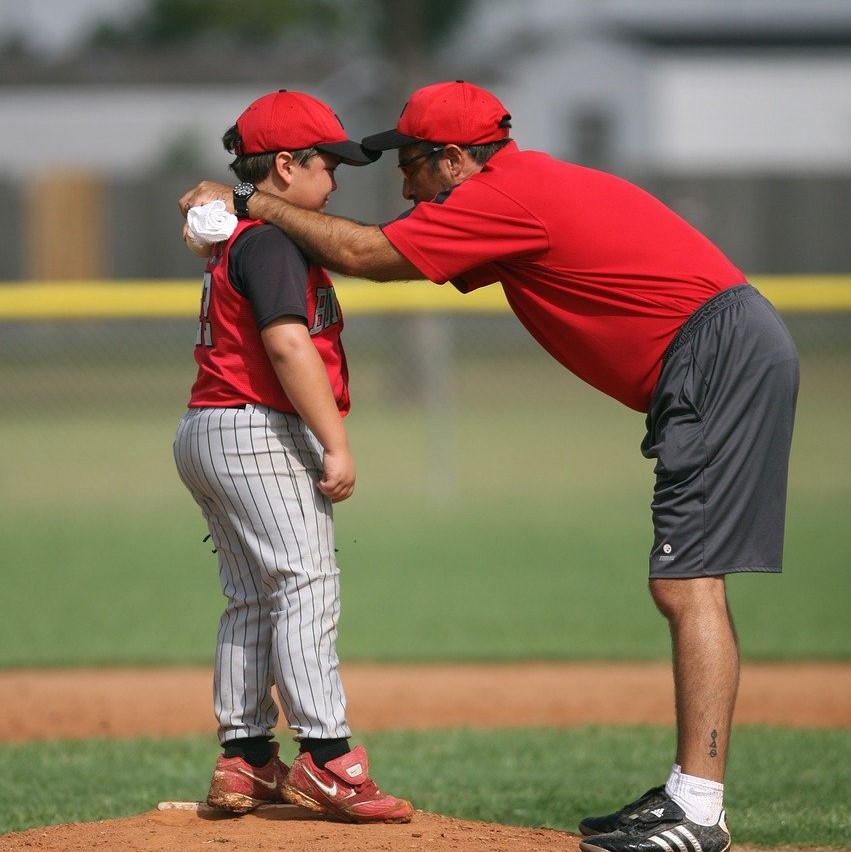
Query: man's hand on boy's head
column 205, row 192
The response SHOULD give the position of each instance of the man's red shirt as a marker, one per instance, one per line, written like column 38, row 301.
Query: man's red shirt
column 600, row 272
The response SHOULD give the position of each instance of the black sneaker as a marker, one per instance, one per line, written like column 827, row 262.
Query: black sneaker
column 659, row 829
column 612, row 822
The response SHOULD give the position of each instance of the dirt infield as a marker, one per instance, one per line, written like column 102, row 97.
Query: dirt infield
column 77, row 704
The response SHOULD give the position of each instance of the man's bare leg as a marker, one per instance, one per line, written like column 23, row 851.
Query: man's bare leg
column 706, row 670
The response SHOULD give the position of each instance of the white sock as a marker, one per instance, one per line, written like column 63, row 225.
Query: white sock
column 701, row 799
column 673, row 782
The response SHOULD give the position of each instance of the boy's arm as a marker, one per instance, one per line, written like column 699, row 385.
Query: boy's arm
column 303, row 377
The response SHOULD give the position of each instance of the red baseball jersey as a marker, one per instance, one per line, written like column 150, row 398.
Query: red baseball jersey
column 233, row 367
column 600, row 272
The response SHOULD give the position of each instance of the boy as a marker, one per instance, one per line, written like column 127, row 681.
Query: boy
column 264, row 452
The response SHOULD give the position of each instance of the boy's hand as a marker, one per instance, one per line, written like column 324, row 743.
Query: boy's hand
column 338, row 480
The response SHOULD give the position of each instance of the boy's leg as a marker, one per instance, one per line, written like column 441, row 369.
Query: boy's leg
column 279, row 572
column 208, row 456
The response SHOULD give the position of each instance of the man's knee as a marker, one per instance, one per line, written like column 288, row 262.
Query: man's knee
column 676, row 599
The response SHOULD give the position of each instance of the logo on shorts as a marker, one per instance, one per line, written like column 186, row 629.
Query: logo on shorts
column 667, row 555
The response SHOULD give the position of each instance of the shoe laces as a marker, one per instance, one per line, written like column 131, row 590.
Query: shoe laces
column 632, row 813
column 666, row 812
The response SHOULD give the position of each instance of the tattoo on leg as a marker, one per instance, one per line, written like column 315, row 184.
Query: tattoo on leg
column 713, row 743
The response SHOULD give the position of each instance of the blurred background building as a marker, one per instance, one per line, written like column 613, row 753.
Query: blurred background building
column 736, row 112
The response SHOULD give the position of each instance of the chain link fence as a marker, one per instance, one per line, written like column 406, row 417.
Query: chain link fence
column 446, row 407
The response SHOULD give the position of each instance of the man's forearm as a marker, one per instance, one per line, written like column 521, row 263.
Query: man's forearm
column 339, row 244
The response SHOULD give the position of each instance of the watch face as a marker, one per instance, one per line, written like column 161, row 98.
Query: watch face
column 241, row 193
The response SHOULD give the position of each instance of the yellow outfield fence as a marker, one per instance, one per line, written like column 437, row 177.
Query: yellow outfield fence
column 176, row 298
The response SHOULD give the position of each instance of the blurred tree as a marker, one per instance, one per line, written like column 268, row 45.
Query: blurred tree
column 14, row 45
column 429, row 20
column 372, row 23
column 163, row 22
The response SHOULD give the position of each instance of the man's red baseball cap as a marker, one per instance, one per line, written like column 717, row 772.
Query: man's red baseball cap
column 290, row 121
column 455, row 111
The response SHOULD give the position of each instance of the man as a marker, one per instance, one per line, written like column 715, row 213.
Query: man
column 263, row 450
column 632, row 299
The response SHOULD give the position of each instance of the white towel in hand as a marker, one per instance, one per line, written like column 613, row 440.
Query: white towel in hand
column 210, row 223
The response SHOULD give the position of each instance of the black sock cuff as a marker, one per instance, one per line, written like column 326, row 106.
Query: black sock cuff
column 255, row 751
column 321, row 751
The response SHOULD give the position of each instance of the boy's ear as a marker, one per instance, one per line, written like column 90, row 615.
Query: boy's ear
column 284, row 165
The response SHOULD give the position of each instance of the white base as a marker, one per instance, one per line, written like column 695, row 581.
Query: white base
column 203, row 806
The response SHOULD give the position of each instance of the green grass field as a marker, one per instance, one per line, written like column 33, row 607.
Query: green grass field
column 509, row 521
column 515, row 554
column 536, row 777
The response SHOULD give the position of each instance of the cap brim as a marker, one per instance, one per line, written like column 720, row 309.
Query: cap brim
column 387, row 140
column 349, row 152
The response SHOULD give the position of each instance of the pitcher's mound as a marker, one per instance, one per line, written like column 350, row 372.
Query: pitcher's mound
column 283, row 828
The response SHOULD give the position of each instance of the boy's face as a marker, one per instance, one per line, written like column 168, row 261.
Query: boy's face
column 313, row 184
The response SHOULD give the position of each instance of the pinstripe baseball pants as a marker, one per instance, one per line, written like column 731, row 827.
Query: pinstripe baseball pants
column 253, row 472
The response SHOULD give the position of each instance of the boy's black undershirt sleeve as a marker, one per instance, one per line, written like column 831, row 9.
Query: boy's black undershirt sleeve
column 267, row 267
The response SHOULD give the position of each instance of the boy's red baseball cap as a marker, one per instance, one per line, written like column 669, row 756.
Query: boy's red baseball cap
column 455, row 111
column 290, row 121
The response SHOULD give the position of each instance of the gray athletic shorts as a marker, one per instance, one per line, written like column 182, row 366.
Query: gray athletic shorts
column 720, row 429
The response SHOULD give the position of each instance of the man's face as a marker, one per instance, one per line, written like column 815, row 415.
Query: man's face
column 424, row 172
column 312, row 185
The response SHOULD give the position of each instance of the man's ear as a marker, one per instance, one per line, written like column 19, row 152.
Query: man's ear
column 461, row 164
column 454, row 158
